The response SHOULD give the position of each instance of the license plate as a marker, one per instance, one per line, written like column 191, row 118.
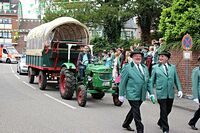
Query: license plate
column 106, row 83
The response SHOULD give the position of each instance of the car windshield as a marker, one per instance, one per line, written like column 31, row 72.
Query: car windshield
column 12, row 50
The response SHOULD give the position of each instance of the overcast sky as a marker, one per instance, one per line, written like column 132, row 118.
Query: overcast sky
column 29, row 9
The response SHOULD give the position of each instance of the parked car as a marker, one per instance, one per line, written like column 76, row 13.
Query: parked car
column 22, row 68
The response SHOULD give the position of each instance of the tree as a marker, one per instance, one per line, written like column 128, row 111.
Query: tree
column 111, row 14
column 148, row 13
column 181, row 18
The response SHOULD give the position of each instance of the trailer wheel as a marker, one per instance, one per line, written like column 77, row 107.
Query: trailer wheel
column 31, row 77
column 115, row 96
column 99, row 95
column 66, row 83
column 42, row 80
column 81, row 95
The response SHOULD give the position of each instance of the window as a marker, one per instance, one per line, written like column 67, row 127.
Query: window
column 5, row 51
column 6, row 6
column 5, row 21
column 5, row 34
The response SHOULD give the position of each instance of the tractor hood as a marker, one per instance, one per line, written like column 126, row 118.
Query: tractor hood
column 98, row 68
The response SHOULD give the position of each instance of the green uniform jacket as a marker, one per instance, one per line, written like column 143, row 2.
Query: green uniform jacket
column 164, row 84
column 196, row 82
column 133, row 84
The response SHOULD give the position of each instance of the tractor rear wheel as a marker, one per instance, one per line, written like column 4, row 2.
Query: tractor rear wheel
column 99, row 95
column 42, row 80
column 115, row 96
column 81, row 95
column 66, row 83
column 31, row 77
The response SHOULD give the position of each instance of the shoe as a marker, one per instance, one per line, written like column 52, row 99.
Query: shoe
column 166, row 132
column 193, row 127
column 128, row 128
column 159, row 125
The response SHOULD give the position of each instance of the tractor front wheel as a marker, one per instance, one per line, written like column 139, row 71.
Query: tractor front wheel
column 66, row 83
column 42, row 80
column 115, row 96
column 81, row 95
column 99, row 95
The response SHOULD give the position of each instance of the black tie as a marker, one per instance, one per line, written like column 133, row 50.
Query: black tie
column 166, row 69
column 140, row 70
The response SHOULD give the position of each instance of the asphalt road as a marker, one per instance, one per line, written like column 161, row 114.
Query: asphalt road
column 26, row 109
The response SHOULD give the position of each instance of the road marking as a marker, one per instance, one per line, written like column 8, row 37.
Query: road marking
column 11, row 69
column 59, row 101
column 17, row 76
column 29, row 85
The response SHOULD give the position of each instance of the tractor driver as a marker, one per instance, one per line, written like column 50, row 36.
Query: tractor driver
column 84, row 58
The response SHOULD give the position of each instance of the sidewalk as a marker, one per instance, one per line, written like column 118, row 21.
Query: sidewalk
column 185, row 103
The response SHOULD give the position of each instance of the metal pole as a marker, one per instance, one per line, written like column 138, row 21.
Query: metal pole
column 187, row 74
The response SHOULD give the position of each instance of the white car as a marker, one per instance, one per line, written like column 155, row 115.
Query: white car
column 22, row 68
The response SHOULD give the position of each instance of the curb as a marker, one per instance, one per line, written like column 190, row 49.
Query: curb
column 185, row 108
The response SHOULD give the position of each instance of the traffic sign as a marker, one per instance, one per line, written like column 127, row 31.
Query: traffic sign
column 187, row 42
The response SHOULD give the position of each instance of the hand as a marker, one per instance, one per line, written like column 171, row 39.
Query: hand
column 180, row 94
column 196, row 100
column 152, row 98
column 121, row 98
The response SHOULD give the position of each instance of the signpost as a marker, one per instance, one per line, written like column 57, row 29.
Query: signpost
column 187, row 55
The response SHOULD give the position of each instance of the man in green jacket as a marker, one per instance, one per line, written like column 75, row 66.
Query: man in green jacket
column 196, row 94
column 164, row 77
column 134, row 84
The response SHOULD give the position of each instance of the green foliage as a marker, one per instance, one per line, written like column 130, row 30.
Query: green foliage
column 102, row 43
column 181, row 18
column 111, row 14
column 148, row 13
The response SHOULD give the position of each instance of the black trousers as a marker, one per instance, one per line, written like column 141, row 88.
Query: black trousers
column 134, row 113
column 165, row 109
column 196, row 117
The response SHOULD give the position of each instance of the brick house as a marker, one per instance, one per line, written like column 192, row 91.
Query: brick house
column 25, row 26
column 10, row 13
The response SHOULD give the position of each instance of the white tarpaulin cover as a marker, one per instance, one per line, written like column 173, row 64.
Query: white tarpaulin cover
column 60, row 29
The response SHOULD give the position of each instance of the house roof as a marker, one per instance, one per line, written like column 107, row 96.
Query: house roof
column 130, row 24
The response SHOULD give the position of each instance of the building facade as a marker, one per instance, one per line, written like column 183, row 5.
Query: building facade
column 10, row 14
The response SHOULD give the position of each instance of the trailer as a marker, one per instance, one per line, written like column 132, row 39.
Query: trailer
column 54, row 47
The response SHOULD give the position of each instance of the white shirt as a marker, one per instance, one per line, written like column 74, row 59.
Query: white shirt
column 164, row 68
column 140, row 66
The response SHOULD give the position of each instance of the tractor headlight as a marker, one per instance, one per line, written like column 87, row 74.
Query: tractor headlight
column 89, row 78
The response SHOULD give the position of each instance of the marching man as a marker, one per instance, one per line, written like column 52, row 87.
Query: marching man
column 196, row 94
column 164, row 77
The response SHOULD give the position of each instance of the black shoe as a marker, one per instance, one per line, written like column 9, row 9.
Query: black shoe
column 128, row 128
column 165, row 131
column 160, row 125
column 193, row 127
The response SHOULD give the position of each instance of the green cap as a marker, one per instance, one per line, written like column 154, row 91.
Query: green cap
column 166, row 53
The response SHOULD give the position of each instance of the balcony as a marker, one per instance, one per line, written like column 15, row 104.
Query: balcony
column 8, row 12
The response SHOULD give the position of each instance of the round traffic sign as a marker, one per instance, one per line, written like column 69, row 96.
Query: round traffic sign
column 187, row 42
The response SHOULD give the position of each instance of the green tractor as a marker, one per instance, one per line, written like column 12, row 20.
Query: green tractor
column 97, row 81
column 51, row 55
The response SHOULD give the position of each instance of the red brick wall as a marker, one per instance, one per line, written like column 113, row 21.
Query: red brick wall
column 177, row 59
